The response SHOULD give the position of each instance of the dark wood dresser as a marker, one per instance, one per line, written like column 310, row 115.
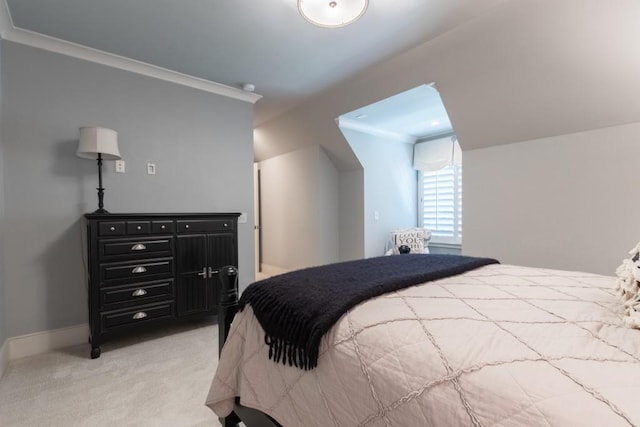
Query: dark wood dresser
column 147, row 269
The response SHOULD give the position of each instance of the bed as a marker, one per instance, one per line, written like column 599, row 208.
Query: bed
column 499, row 345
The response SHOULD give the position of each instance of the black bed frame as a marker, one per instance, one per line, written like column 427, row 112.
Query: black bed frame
column 227, row 308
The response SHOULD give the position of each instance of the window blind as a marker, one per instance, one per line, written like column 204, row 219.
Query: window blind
column 441, row 204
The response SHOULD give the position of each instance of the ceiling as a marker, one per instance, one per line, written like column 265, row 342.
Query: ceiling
column 418, row 113
column 266, row 43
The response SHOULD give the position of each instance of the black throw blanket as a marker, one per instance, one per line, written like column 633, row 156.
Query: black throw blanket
column 296, row 309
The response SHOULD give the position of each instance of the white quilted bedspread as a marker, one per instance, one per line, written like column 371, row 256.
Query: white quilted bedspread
column 498, row 346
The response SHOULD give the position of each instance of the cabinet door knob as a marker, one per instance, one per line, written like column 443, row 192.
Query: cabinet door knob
column 139, row 227
column 138, row 270
column 226, row 225
column 139, row 315
column 139, row 293
column 204, row 272
column 138, row 247
column 162, row 227
column 112, row 229
column 186, row 226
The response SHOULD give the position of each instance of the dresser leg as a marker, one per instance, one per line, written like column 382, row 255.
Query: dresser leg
column 95, row 352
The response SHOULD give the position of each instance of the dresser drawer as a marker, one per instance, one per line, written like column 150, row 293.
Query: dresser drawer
column 135, row 270
column 136, row 315
column 136, row 294
column 160, row 227
column 111, row 228
column 136, row 247
column 197, row 225
column 138, row 227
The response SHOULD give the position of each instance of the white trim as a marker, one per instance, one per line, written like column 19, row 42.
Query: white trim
column 347, row 123
column 4, row 357
column 30, row 38
column 444, row 245
column 42, row 342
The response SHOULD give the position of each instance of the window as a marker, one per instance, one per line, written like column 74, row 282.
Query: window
column 440, row 204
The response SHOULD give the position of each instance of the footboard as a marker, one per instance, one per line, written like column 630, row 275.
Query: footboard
column 227, row 309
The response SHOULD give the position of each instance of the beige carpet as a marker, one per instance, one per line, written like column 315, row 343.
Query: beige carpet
column 156, row 379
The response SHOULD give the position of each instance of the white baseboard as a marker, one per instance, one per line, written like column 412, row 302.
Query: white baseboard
column 42, row 342
column 270, row 270
column 4, row 357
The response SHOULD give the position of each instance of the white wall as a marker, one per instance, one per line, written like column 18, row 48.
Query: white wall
column 299, row 205
column 201, row 144
column 390, row 187
column 566, row 202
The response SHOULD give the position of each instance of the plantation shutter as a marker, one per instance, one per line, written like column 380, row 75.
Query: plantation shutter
column 441, row 204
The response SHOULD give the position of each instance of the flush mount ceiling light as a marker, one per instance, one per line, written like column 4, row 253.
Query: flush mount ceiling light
column 332, row 13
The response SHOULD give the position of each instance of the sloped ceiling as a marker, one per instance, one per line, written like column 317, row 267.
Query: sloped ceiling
column 528, row 69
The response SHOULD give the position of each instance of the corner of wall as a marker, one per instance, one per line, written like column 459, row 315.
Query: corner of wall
column 329, row 212
column 2, row 169
column 4, row 357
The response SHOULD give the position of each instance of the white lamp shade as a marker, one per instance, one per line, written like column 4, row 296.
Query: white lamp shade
column 332, row 14
column 431, row 156
column 94, row 140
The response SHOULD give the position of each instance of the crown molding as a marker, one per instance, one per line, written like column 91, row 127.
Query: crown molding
column 346, row 123
column 30, row 38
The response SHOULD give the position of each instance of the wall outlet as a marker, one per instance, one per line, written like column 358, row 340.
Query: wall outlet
column 151, row 168
column 242, row 218
column 120, row 166
column 376, row 215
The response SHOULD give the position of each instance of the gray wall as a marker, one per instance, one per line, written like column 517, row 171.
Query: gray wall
column 3, row 320
column 565, row 202
column 201, row 144
column 351, row 221
column 390, row 187
column 299, row 206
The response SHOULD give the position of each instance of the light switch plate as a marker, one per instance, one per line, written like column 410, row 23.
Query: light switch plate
column 120, row 166
column 242, row 218
column 151, row 168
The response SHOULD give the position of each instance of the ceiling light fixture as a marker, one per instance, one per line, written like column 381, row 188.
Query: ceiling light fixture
column 332, row 14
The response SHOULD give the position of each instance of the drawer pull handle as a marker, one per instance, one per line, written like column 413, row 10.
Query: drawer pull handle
column 112, row 229
column 139, row 293
column 138, row 270
column 139, row 315
column 138, row 247
column 139, row 227
column 226, row 225
column 186, row 226
column 162, row 227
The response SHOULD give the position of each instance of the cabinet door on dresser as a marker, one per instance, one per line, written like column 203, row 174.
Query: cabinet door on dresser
column 199, row 259
column 193, row 275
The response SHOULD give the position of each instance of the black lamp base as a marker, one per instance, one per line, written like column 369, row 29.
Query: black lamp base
column 101, row 209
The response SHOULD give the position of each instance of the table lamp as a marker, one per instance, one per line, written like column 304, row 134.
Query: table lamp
column 101, row 144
